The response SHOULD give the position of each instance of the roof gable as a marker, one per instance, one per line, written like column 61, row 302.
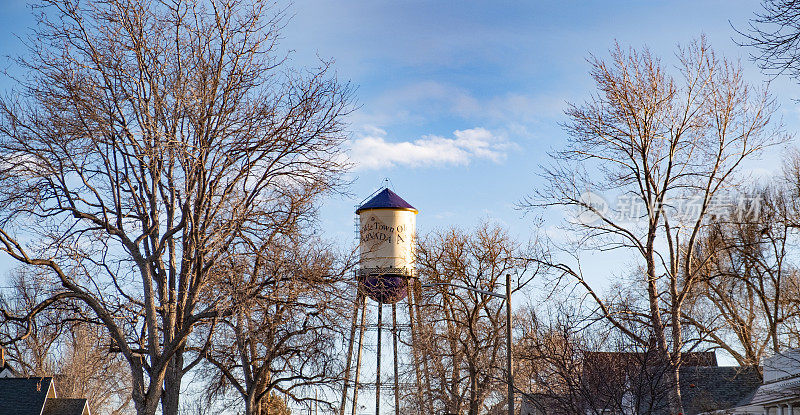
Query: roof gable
column 6, row 371
column 782, row 366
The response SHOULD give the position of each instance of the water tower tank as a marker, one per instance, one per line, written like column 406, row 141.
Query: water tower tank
column 386, row 242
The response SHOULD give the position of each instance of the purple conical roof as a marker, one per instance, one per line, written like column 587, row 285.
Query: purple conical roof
column 386, row 199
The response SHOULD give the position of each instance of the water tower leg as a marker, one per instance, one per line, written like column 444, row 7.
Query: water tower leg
column 356, row 308
column 396, row 368
column 378, row 374
column 360, row 349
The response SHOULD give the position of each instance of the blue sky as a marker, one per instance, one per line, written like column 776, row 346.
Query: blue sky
column 459, row 102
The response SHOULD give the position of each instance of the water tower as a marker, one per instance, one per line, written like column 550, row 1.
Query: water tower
column 386, row 231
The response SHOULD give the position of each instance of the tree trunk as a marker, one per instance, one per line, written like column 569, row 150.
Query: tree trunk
column 172, row 385
column 675, row 400
column 473, row 390
column 674, row 396
column 145, row 402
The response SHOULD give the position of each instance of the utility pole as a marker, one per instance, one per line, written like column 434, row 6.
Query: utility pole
column 509, row 346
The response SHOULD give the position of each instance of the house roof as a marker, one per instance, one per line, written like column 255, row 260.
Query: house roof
column 773, row 392
column 386, row 199
column 704, row 389
column 617, row 359
column 23, row 396
column 704, row 385
column 713, row 388
column 65, row 406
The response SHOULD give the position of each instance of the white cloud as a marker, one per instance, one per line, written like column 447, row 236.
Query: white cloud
column 372, row 150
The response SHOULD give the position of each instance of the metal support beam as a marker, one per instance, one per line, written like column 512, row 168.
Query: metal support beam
column 356, row 308
column 358, row 359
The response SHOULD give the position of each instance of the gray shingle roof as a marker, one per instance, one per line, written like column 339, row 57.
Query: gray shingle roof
column 713, row 388
column 775, row 391
column 64, row 406
column 23, row 396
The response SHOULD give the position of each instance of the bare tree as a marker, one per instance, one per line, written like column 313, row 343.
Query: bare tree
column 144, row 139
column 573, row 365
column 32, row 343
column 61, row 342
column 746, row 296
column 87, row 369
column 774, row 35
column 281, row 339
column 462, row 333
column 669, row 148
